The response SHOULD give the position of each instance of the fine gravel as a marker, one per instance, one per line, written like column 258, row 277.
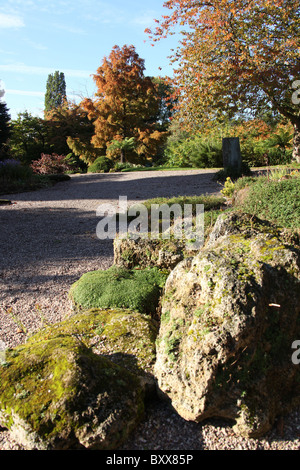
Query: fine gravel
column 48, row 241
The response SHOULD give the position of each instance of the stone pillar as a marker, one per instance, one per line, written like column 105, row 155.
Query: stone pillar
column 232, row 153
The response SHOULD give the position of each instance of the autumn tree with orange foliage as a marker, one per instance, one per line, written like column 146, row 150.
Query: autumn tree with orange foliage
column 126, row 107
column 235, row 57
column 66, row 125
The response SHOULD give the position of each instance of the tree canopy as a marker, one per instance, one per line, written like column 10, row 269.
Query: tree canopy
column 236, row 57
column 55, row 91
column 126, row 106
column 4, row 127
column 65, row 124
column 28, row 138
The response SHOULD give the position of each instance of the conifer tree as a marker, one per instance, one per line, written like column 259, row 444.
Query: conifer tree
column 4, row 127
column 126, row 107
column 55, row 91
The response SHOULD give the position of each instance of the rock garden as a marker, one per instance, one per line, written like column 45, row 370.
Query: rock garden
column 209, row 331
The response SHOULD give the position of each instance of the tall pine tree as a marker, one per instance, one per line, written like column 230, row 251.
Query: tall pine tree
column 55, row 91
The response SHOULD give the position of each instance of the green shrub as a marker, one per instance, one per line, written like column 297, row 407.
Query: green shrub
column 13, row 170
column 207, row 154
column 137, row 290
column 101, row 165
column 195, row 152
column 77, row 164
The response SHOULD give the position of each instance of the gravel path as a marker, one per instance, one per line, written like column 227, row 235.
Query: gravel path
column 48, row 240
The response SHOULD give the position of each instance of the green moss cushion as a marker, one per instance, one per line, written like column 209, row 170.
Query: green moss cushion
column 137, row 289
column 124, row 337
column 58, row 394
column 80, row 383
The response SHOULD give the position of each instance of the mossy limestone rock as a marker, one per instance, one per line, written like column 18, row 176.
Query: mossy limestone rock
column 124, row 337
column 229, row 318
column 79, row 383
column 116, row 287
column 145, row 252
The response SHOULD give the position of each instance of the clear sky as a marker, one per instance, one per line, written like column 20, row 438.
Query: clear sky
column 38, row 37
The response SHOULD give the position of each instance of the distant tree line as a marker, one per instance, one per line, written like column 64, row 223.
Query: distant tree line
column 126, row 121
column 236, row 73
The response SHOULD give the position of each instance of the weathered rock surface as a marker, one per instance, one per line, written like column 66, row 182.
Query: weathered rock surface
column 80, row 383
column 165, row 254
column 125, row 337
column 229, row 318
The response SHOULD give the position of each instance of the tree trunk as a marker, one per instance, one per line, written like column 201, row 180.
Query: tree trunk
column 296, row 145
column 122, row 160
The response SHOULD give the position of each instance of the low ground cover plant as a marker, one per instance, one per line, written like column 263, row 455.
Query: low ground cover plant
column 275, row 200
column 15, row 177
column 209, row 202
column 11, row 169
column 213, row 206
column 116, row 287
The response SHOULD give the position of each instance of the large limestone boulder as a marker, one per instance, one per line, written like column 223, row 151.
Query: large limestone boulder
column 80, row 383
column 229, row 318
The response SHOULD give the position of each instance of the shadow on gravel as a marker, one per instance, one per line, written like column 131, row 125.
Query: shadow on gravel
column 113, row 185
column 46, row 236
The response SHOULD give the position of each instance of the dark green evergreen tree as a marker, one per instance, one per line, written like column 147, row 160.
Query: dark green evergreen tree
column 28, row 138
column 55, row 91
column 4, row 129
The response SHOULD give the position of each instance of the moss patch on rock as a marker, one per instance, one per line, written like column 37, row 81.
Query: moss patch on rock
column 56, row 393
column 144, row 253
column 117, row 287
column 164, row 251
column 122, row 336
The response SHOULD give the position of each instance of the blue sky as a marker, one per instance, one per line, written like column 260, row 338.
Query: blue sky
column 38, row 37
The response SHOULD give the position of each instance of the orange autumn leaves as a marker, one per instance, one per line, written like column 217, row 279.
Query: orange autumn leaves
column 234, row 56
column 125, row 108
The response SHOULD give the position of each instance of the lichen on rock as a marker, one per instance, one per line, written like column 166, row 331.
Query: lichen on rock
column 80, row 383
column 145, row 252
column 229, row 318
